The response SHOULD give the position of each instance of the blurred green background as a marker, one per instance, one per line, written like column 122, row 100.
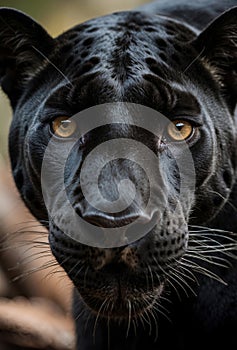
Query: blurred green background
column 57, row 16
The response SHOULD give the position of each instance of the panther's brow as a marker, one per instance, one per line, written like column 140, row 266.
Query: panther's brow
column 52, row 64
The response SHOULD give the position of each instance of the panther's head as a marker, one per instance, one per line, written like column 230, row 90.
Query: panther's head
column 123, row 65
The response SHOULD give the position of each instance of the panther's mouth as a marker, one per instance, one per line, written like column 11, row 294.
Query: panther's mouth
column 122, row 298
column 117, row 292
column 123, row 282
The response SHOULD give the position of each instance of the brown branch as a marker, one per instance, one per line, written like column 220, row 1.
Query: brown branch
column 35, row 324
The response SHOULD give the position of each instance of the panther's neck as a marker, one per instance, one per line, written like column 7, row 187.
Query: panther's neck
column 227, row 217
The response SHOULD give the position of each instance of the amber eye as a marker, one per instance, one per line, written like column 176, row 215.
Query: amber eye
column 180, row 130
column 64, row 127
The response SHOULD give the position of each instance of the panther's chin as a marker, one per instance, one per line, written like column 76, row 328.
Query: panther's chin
column 121, row 302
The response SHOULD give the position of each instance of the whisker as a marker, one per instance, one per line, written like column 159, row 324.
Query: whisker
column 159, row 308
column 176, row 274
column 53, row 65
column 171, row 284
column 194, row 60
column 196, row 267
column 129, row 316
column 226, row 201
column 151, row 274
column 186, row 272
column 97, row 317
column 25, row 275
column 209, row 229
column 25, row 262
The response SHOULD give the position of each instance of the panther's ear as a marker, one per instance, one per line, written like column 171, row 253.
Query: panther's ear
column 24, row 45
column 217, row 45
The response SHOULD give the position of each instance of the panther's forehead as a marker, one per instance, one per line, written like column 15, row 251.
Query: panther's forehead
column 125, row 56
column 124, row 45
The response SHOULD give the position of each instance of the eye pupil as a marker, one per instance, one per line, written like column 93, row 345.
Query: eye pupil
column 65, row 124
column 179, row 126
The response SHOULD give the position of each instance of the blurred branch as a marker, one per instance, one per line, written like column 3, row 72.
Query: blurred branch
column 25, row 256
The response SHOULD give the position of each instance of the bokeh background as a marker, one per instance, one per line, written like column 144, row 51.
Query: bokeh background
column 57, row 16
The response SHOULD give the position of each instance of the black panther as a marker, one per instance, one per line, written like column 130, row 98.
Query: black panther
column 176, row 286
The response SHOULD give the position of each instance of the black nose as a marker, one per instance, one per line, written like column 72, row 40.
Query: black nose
column 123, row 197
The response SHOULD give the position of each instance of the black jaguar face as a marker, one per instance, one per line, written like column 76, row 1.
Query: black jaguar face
column 132, row 58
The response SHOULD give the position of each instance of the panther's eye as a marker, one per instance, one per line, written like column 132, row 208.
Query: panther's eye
column 64, row 127
column 180, row 130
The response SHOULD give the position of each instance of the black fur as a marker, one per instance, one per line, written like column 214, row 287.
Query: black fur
column 180, row 59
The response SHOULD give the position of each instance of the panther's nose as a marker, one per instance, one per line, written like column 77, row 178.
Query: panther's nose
column 123, row 199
